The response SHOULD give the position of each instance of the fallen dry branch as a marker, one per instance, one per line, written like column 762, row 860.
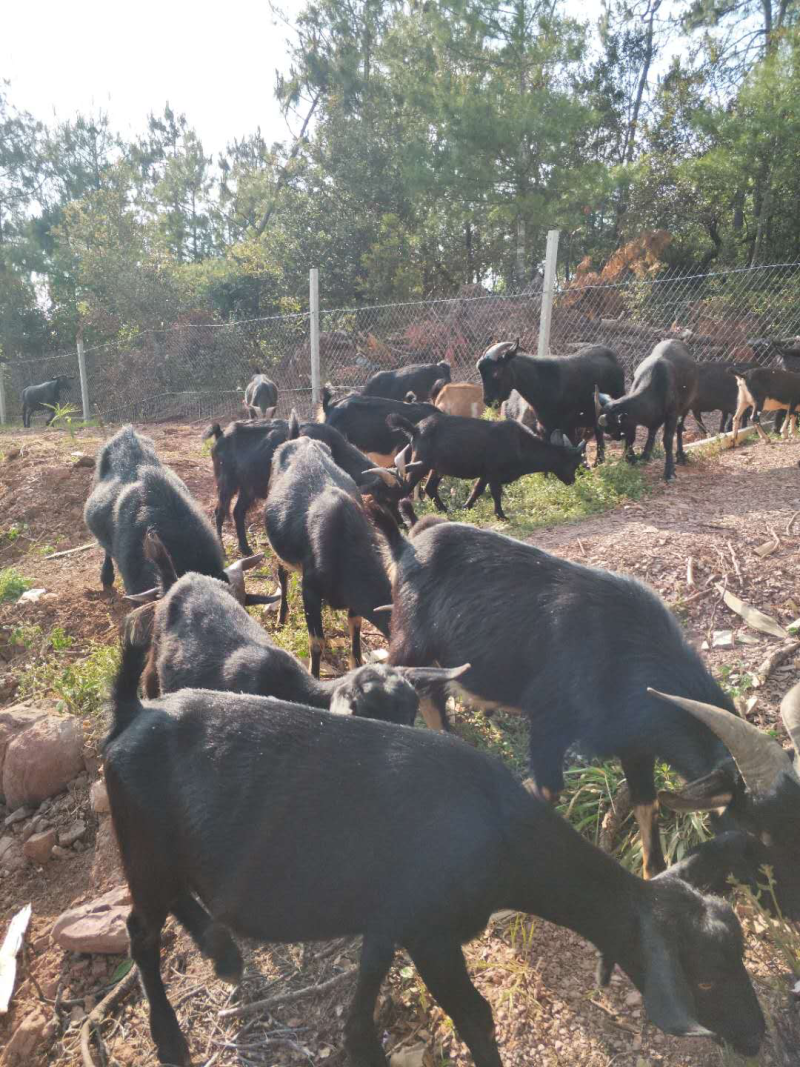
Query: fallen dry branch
column 775, row 658
column 288, row 998
column 96, row 1015
column 690, row 573
column 71, row 551
column 790, row 523
column 754, row 618
column 614, row 818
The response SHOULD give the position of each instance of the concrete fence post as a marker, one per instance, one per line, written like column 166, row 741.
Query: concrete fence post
column 313, row 302
column 3, row 393
column 84, row 385
column 548, row 291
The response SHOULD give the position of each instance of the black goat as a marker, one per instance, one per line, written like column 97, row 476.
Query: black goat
column 44, row 396
column 362, row 420
column 663, row 392
column 560, row 389
column 716, row 391
column 117, row 464
column 134, row 493
column 202, row 639
column 417, row 378
column 242, row 460
column 261, row 397
column 284, row 823
column 316, row 524
column 763, row 389
column 495, row 453
column 579, row 675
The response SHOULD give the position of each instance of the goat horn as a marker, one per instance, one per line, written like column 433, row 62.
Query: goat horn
column 384, row 474
column 384, row 607
column 790, row 713
column 760, row 759
column 400, row 459
column 147, row 597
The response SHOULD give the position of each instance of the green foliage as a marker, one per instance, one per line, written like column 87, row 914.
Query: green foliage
column 12, row 584
column 80, row 685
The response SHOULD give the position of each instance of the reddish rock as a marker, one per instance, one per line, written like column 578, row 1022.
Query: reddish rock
column 13, row 721
column 42, row 759
column 29, row 1042
column 98, row 926
column 39, row 846
column 99, row 795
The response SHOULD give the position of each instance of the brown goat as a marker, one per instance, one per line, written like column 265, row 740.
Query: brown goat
column 459, row 398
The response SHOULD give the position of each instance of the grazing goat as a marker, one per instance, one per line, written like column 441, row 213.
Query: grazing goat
column 362, row 420
column 494, row 453
column 763, row 389
column 134, row 493
column 242, row 460
column 282, row 823
column 664, row 390
column 261, row 396
column 716, row 391
column 45, row 396
column 580, row 675
column 202, row 639
column 317, row 525
column 117, row 464
column 418, row 378
column 559, row 388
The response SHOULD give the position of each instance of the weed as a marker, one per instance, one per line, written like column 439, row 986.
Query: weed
column 735, row 680
column 26, row 635
column 12, row 584
column 81, row 686
column 14, row 532
column 59, row 640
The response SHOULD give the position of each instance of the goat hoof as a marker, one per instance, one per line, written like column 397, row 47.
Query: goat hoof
column 175, row 1052
column 605, row 968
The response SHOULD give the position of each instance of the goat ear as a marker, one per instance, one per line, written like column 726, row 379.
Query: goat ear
column 143, row 598
column 668, row 1000
column 433, row 679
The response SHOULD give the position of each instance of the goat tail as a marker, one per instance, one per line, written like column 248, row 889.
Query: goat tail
column 397, row 422
column 156, row 552
column 125, row 703
column 214, row 430
column 294, row 426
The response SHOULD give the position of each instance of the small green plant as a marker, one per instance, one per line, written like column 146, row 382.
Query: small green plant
column 783, row 934
column 81, row 686
column 14, row 532
column 62, row 414
column 735, row 680
column 12, row 584
column 59, row 640
column 26, row 635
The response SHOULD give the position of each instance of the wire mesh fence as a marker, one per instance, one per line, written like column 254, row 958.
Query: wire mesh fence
column 199, row 371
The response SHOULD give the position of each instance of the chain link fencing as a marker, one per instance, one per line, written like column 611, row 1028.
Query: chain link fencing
column 199, row 372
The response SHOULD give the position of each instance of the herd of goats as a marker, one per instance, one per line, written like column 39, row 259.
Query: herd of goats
column 250, row 796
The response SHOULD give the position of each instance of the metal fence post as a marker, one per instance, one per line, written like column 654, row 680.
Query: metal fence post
column 547, row 291
column 3, row 393
column 84, row 386
column 313, row 301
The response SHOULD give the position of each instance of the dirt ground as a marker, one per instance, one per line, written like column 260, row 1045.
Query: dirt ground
column 538, row 978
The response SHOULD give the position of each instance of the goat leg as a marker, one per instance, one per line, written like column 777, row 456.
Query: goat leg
column 283, row 579
column 639, row 773
column 145, row 937
column 354, row 625
column 312, row 606
column 443, row 970
column 432, row 489
column 669, row 435
column 361, row 1040
column 496, row 489
column 680, row 455
column 477, row 491
column 649, row 444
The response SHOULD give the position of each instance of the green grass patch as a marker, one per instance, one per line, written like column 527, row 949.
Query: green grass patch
column 81, row 686
column 535, row 501
column 12, row 584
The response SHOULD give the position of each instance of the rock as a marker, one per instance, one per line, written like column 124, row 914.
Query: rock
column 77, row 1015
column 633, row 1000
column 6, row 843
column 13, row 860
column 8, row 686
column 29, row 830
column 96, row 927
column 106, row 868
column 31, row 596
column 722, row 639
column 42, row 759
column 61, row 853
column 39, row 847
column 99, row 795
column 18, row 815
column 28, row 1044
column 71, row 834
column 84, row 461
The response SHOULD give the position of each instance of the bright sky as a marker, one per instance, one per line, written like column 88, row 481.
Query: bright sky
column 216, row 63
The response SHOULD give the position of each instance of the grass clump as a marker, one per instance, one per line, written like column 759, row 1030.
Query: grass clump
column 12, row 584
column 81, row 686
column 534, row 501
